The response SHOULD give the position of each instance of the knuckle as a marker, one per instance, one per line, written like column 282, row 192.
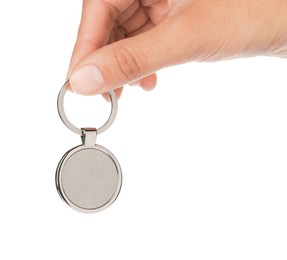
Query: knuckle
column 131, row 63
column 112, row 10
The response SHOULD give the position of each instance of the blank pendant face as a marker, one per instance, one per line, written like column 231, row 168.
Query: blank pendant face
column 89, row 178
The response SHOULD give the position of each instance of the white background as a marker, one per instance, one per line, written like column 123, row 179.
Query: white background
column 203, row 155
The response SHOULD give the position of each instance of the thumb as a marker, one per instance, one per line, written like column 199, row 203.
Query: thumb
column 124, row 61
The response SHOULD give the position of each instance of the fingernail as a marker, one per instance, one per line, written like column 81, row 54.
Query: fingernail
column 87, row 80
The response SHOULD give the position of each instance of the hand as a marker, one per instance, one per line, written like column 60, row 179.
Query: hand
column 124, row 41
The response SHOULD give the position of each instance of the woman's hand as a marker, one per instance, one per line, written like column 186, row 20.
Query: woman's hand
column 125, row 41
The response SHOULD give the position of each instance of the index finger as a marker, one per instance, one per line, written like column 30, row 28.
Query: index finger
column 97, row 21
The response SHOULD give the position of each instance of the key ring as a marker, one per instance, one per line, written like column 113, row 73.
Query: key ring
column 66, row 121
column 88, row 177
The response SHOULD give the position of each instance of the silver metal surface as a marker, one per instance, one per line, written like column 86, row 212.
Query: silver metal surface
column 89, row 136
column 62, row 114
column 89, row 177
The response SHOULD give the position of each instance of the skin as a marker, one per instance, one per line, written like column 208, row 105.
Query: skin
column 129, row 40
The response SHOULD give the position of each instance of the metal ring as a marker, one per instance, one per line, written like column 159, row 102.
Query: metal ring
column 67, row 123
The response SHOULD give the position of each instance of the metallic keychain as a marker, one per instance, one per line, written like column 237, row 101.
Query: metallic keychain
column 88, row 177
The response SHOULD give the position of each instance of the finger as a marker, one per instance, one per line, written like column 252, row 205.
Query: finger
column 128, row 12
column 112, row 37
column 137, row 20
column 147, row 26
column 157, row 10
column 98, row 18
column 118, row 92
column 148, row 2
column 117, row 35
column 149, row 82
column 127, row 60
column 94, row 31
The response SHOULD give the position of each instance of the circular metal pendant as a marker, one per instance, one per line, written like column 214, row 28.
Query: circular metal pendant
column 89, row 178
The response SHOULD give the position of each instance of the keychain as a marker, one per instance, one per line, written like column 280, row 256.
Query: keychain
column 88, row 177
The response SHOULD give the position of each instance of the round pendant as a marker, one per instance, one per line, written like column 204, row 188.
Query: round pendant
column 89, row 179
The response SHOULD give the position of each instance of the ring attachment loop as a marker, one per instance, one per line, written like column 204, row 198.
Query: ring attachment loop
column 66, row 121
